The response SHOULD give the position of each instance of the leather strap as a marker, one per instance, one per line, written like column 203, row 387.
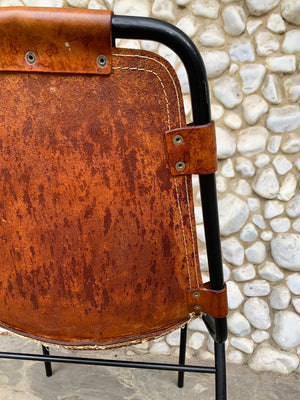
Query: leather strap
column 56, row 40
column 208, row 301
column 192, row 150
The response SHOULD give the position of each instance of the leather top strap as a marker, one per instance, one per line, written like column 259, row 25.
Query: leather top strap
column 55, row 40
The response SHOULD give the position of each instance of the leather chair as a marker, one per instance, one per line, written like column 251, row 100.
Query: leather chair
column 98, row 239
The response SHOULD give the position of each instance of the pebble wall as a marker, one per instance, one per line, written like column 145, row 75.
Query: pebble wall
column 251, row 52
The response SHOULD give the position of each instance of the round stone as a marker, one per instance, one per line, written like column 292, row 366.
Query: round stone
column 270, row 271
column 235, row 297
column 228, row 91
column 292, row 88
column 266, row 358
column 221, row 184
column 196, row 340
column 241, row 187
column 243, row 344
column 212, row 36
column 256, row 288
column 276, row 24
column 293, row 282
column 173, row 338
column 169, row 55
column 238, row 324
column 252, row 76
column 160, row 348
column 271, row 90
column 227, row 169
column 233, row 251
column 163, row 9
column 285, row 249
column 245, row 167
column 241, row 50
column 262, row 160
column 252, row 141
column 139, row 8
column 259, row 336
column 283, row 119
column 291, row 143
column 286, row 331
column 226, row 143
column 291, row 43
column 282, row 165
column 290, row 10
column 257, row 312
column 249, row 233
column 206, row 8
column 216, row 62
column 293, row 207
column 266, row 236
column 235, row 356
column 197, row 324
column 260, row 7
column 266, row 184
column 233, row 214
column 285, row 64
column 253, row 25
column 234, row 20
column 288, row 187
column 254, row 107
column 274, row 144
column 244, row 273
column 216, row 111
column 232, row 120
column 265, row 43
column 259, row 221
column 280, row 225
column 280, row 297
column 188, row 25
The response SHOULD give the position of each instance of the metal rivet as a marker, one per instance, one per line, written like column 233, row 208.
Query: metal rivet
column 196, row 294
column 101, row 61
column 180, row 166
column 197, row 308
column 177, row 140
column 30, row 57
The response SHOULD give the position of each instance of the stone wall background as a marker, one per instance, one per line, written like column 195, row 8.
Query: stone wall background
column 251, row 51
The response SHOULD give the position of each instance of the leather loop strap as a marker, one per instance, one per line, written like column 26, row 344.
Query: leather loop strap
column 208, row 301
column 192, row 150
column 65, row 40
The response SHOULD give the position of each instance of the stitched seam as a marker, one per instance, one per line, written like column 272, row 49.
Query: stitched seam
column 175, row 181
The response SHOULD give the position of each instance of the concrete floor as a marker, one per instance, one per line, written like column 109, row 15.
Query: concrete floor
column 26, row 380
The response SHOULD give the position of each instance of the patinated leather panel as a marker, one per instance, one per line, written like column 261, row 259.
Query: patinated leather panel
column 195, row 146
column 98, row 242
column 62, row 39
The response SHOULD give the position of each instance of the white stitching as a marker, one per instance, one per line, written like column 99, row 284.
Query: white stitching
column 175, row 181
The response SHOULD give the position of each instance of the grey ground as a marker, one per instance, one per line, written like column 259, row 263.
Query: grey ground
column 26, row 380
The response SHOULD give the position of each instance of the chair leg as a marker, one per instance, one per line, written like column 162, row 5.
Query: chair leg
column 182, row 350
column 47, row 364
column 220, row 371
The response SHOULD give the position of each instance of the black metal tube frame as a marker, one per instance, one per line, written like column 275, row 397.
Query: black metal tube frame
column 162, row 32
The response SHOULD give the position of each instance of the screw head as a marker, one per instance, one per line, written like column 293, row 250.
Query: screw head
column 196, row 294
column 101, row 61
column 30, row 57
column 177, row 140
column 180, row 166
column 197, row 307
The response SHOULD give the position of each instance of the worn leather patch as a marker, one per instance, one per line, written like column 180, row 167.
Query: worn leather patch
column 192, row 150
column 55, row 40
column 205, row 300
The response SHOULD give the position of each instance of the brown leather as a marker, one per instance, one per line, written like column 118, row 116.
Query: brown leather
column 205, row 300
column 62, row 39
column 98, row 244
column 195, row 146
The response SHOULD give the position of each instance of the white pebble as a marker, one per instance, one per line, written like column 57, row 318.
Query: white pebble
column 221, row 184
column 188, row 24
column 262, row 160
column 271, row 91
column 196, row 340
column 238, row 324
column 235, row 356
column 259, row 221
column 266, row 183
column 241, row 50
column 257, row 312
column 253, row 25
column 274, row 144
column 254, row 107
column 291, row 143
column 139, row 8
column 233, row 69
column 266, row 236
column 241, row 187
column 232, row 120
column 282, row 164
column 293, row 207
column 233, row 251
column 288, row 187
column 290, row 10
column 291, row 43
column 226, row 143
column 260, row 7
column 273, row 208
column 245, row 167
column 244, row 273
column 234, row 20
column 259, row 336
column 243, row 344
column 280, row 225
column 206, row 8
column 280, row 297
column 283, row 119
column 227, row 169
column 276, row 24
column 292, row 88
column 248, row 233
column 197, row 324
column 235, row 297
column 216, row 111
column 252, row 76
column 286, row 332
column 160, row 348
column 296, row 304
column 212, row 36
column 253, row 203
column 233, row 213
column 256, row 253
column 270, row 271
column 296, row 225
column 281, row 64
column 169, row 55
column 216, row 62
column 293, row 282
column 266, row 43
column 252, row 141
column 163, row 9
column 285, row 249
column 173, row 338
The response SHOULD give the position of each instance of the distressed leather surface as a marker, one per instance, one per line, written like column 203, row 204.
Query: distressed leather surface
column 62, row 39
column 197, row 149
column 97, row 240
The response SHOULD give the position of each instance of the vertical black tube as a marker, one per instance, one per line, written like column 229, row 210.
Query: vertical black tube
column 48, row 367
column 220, row 365
column 182, row 351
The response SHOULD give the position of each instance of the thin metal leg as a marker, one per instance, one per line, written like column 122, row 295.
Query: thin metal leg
column 48, row 367
column 220, row 371
column 182, row 350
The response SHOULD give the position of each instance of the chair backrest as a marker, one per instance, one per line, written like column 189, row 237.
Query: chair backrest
column 98, row 240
